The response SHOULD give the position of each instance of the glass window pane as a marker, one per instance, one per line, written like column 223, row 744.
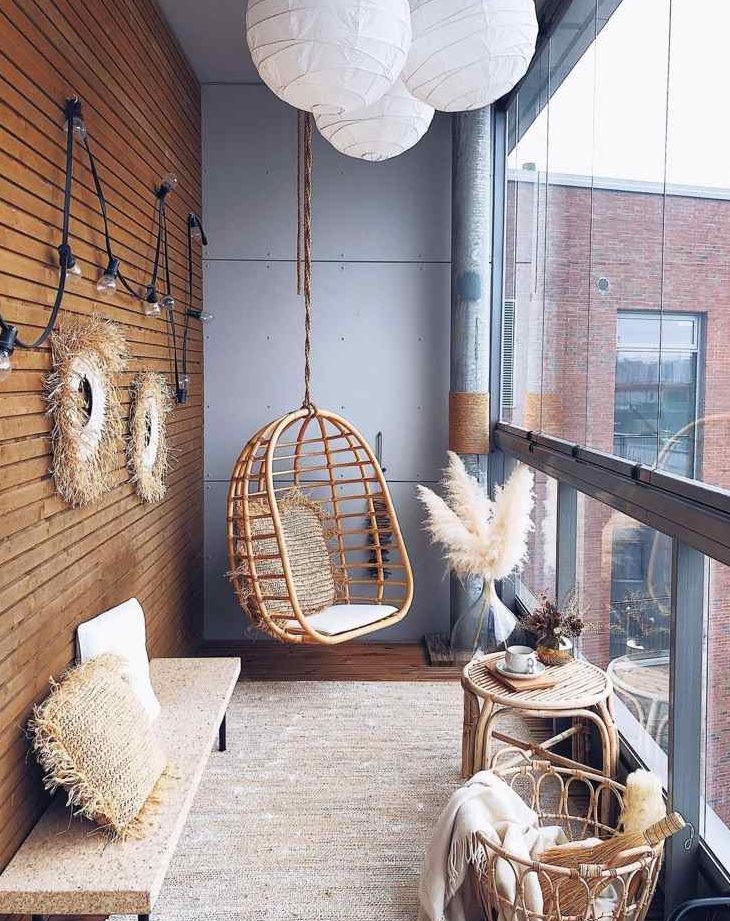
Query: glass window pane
column 568, row 236
column 695, row 271
column 525, row 257
column 627, row 227
column 717, row 706
column 624, row 571
column 654, row 424
column 638, row 331
column 538, row 574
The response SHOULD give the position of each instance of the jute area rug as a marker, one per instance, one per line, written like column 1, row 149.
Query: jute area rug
column 322, row 806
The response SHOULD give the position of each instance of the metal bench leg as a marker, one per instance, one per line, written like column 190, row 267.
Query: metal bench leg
column 222, row 735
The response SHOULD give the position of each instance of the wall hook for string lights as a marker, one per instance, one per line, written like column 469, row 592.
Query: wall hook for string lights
column 68, row 267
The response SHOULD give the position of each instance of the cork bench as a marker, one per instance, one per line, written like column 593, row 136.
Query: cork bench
column 67, row 868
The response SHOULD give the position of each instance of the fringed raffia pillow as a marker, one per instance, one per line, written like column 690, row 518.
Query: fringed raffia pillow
column 305, row 531
column 92, row 737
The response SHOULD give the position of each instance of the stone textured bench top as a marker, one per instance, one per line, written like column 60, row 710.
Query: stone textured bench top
column 70, row 867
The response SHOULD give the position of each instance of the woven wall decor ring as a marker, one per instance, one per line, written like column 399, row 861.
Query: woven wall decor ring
column 86, row 409
column 147, row 451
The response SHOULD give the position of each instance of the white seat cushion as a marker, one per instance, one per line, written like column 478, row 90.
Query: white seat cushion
column 339, row 618
column 121, row 631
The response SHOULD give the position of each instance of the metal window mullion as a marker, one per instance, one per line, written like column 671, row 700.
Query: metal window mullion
column 496, row 467
column 566, row 554
column 686, row 710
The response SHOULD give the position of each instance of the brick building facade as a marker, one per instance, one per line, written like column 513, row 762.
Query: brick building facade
column 652, row 251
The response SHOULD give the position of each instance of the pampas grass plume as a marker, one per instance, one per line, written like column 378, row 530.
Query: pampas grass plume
column 480, row 537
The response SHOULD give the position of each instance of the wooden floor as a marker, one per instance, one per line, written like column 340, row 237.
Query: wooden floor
column 349, row 662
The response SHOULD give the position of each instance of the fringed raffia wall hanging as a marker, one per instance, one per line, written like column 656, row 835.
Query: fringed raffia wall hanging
column 147, row 452
column 86, row 409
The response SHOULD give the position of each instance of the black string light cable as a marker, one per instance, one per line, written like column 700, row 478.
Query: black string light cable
column 108, row 281
column 155, row 305
column 168, row 304
column 196, row 234
column 9, row 337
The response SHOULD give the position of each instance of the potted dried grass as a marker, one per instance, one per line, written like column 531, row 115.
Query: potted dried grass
column 483, row 539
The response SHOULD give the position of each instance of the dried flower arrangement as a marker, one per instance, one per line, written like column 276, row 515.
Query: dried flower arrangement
column 554, row 626
column 481, row 537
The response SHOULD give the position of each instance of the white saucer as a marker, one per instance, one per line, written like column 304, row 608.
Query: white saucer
column 508, row 673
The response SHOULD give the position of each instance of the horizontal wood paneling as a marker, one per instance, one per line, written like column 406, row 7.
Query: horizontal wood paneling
column 58, row 565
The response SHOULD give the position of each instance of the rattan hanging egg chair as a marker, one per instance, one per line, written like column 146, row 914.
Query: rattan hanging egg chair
column 315, row 550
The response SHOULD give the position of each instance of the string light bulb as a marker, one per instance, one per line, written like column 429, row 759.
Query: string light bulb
column 6, row 364
column 8, row 335
column 75, row 119
column 151, row 303
column 108, row 281
column 66, row 258
column 167, row 302
column 203, row 315
column 197, row 234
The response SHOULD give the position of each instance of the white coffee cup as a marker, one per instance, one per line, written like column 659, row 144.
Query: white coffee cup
column 520, row 659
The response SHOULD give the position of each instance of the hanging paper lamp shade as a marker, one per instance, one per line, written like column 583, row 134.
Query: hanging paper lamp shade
column 333, row 55
column 385, row 129
column 467, row 53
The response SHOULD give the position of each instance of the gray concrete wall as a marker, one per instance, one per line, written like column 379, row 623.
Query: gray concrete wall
column 381, row 316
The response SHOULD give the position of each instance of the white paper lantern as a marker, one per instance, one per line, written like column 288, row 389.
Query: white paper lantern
column 333, row 55
column 385, row 129
column 467, row 53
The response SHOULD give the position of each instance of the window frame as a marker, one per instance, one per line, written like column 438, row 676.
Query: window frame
column 695, row 515
column 697, row 348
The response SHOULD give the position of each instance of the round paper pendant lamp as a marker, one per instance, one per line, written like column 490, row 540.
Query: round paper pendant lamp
column 385, row 129
column 333, row 55
column 467, row 53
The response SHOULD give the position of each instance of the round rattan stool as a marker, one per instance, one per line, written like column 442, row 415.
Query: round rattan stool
column 583, row 692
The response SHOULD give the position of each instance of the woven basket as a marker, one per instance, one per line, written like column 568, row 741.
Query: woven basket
column 580, row 802
column 549, row 656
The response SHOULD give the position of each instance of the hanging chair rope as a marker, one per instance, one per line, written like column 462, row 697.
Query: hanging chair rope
column 304, row 239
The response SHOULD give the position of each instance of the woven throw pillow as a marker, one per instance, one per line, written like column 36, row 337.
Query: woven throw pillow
column 303, row 524
column 92, row 737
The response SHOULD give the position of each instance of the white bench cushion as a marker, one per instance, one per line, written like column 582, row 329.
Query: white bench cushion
column 121, row 631
column 339, row 618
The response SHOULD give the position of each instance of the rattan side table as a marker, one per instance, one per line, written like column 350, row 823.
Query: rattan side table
column 583, row 692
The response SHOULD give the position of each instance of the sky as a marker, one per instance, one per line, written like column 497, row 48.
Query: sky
column 653, row 86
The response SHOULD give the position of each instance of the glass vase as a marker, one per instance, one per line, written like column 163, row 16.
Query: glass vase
column 484, row 626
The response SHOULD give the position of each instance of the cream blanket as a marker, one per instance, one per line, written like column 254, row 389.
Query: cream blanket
column 488, row 805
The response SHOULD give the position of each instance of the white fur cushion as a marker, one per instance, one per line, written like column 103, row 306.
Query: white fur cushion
column 121, row 631
column 339, row 618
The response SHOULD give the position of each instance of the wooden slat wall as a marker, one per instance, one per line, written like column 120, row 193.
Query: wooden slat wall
column 60, row 566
